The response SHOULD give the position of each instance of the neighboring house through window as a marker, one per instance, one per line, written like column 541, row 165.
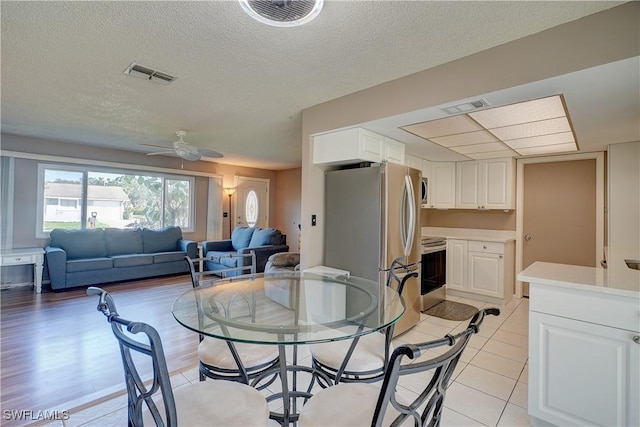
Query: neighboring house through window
column 75, row 198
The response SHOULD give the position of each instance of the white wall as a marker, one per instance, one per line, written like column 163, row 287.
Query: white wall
column 624, row 213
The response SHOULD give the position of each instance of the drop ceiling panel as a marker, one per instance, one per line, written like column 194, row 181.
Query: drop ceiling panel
column 525, row 130
column 492, row 154
column 479, row 148
column 470, row 138
column 542, row 140
column 443, row 127
column 558, row 148
column 524, row 112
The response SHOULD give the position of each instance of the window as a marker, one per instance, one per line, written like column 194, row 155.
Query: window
column 251, row 208
column 75, row 198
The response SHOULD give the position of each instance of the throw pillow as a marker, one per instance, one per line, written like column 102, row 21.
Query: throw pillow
column 241, row 236
column 261, row 237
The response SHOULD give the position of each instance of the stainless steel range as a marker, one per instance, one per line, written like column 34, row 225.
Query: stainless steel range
column 434, row 268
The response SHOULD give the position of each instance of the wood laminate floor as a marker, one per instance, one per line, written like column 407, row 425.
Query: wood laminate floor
column 56, row 348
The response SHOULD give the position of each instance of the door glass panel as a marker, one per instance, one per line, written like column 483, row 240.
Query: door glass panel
column 251, row 208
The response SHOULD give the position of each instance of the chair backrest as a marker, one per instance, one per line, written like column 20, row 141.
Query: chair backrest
column 195, row 282
column 138, row 393
column 435, row 390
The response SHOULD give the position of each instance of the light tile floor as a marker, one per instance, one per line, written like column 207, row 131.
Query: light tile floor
column 489, row 386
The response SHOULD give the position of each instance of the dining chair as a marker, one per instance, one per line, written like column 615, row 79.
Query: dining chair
column 362, row 359
column 385, row 405
column 210, row 403
column 225, row 360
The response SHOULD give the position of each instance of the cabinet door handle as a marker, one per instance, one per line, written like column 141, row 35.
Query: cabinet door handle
column 484, row 247
column 636, row 339
column 500, row 256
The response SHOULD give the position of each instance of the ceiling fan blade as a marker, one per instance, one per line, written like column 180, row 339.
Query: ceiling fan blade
column 170, row 152
column 156, row 146
column 210, row 153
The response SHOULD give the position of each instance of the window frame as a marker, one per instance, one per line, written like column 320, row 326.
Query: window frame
column 86, row 170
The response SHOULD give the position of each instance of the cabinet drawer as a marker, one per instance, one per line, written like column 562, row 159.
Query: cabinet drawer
column 601, row 308
column 488, row 247
column 18, row 259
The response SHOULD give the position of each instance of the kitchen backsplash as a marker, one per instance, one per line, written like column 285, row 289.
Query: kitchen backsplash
column 462, row 218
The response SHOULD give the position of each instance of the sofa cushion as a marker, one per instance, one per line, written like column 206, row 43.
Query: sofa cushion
column 262, row 236
column 168, row 257
column 132, row 260
column 162, row 240
column 79, row 244
column 241, row 237
column 123, row 242
column 89, row 264
column 230, row 262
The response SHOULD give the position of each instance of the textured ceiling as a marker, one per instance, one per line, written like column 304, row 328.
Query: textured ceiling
column 241, row 85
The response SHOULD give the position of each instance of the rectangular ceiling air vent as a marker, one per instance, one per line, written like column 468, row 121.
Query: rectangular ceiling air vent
column 137, row 70
column 467, row 106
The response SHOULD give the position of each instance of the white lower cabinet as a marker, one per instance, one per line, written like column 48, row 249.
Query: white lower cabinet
column 456, row 264
column 583, row 370
column 481, row 270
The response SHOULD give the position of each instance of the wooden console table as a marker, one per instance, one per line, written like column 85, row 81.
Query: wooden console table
column 26, row 256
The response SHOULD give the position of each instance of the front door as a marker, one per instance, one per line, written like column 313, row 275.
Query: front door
column 252, row 202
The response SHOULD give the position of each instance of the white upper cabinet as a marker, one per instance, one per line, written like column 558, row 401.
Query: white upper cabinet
column 394, row 151
column 442, row 185
column 413, row 162
column 348, row 146
column 356, row 145
column 486, row 184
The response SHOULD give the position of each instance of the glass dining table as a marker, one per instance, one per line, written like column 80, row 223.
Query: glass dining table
column 288, row 309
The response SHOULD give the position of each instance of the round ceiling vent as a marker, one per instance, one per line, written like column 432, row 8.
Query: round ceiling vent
column 282, row 13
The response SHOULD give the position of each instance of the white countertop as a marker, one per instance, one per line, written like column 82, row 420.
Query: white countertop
column 573, row 276
column 470, row 234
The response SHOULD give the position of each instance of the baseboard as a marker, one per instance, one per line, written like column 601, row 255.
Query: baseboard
column 10, row 285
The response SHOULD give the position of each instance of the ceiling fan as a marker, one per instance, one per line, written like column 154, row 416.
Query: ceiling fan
column 184, row 150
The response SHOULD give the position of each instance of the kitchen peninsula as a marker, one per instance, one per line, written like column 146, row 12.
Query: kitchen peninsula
column 584, row 347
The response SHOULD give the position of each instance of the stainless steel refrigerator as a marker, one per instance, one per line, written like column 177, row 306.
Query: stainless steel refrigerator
column 373, row 217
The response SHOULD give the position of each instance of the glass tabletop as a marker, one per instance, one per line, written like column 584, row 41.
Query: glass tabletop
column 288, row 308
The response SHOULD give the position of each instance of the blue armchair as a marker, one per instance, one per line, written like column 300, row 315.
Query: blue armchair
column 263, row 241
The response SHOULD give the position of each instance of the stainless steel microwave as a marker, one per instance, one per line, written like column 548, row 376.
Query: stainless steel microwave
column 425, row 191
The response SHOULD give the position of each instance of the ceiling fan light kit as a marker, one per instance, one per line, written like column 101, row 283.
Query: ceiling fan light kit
column 282, row 13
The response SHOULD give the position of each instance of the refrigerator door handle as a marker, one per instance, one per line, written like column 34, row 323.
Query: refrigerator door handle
column 408, row 229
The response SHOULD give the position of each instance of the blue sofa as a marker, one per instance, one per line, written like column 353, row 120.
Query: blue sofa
column 93, row 256
column 263, row 241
